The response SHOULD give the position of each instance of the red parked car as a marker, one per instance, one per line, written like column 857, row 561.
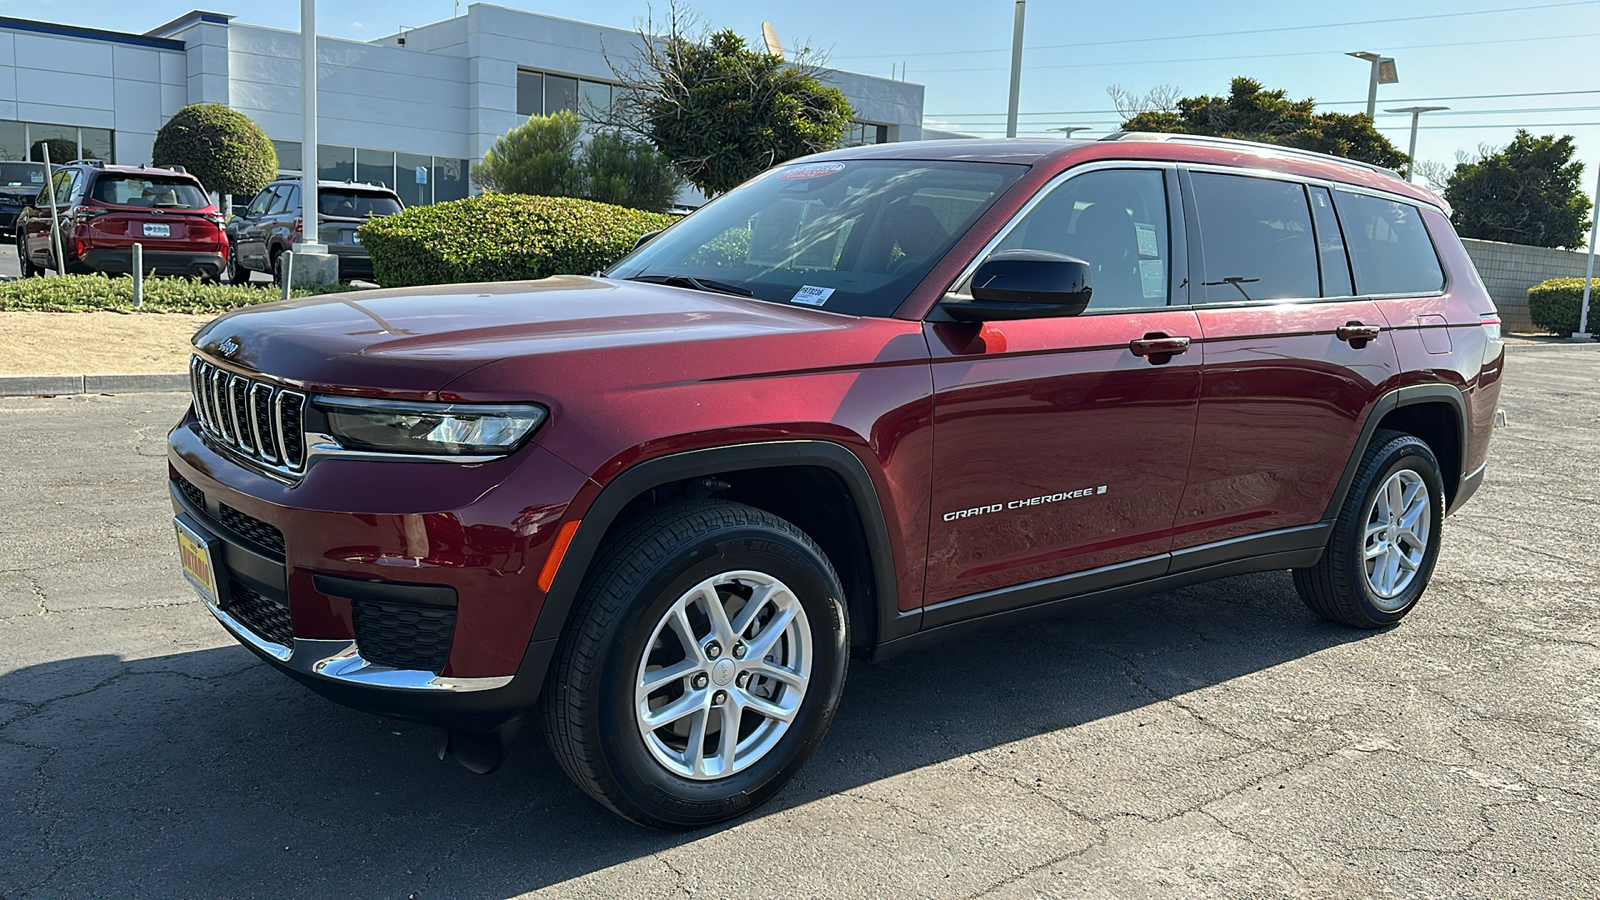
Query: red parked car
column 869, row 399
column 104, row 210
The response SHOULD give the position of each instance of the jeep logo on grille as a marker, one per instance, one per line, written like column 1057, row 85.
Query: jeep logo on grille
column 229, row 347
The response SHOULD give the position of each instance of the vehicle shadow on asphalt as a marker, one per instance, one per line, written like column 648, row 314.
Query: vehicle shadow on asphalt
column 210, row 773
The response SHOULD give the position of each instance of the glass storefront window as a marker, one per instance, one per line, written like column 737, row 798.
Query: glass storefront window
column 13, row 140
column 375, row 167
column 530, row 93
column 97, row 143
column 449, row 179
column 414, row 172
column 560, row 93
column 594, row 99
column 61, row 139
column 336, row 163
column 288, row 155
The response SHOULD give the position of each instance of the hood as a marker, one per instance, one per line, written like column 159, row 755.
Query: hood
column 415, row 341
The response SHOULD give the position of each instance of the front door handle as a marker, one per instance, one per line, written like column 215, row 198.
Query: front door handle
column 1356, row 334
column 1158, row 348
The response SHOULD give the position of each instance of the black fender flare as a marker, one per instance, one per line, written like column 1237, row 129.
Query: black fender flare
column 1409, row 395
column 621, row 490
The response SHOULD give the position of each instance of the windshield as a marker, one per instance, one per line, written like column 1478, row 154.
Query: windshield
column 150, row 191
column 853, row 236
column 21, row 174
column 355, row 204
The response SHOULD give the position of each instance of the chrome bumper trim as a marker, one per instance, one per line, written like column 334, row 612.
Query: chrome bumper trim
column 341, row 661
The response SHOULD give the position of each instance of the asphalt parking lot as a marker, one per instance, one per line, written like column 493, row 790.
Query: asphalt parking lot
column 1216, row 741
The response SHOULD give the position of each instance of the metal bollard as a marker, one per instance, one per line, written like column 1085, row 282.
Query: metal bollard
column 138, row 276
column 287, row 267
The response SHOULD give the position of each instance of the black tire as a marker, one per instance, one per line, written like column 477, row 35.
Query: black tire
column 275, row 265
column 28, row 269
column 589, row 706
column 1338, row 587
column 231, row 273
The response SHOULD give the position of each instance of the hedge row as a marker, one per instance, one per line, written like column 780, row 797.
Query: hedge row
column 502, row 237
column 1555, row 305
column 84, row 293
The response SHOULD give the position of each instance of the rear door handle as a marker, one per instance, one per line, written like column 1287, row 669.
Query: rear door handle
column 1158, row 347
column 1356, row 334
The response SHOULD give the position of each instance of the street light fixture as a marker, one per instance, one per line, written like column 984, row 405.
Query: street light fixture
column 1416, row 113
column 1383, row 72
column 1068, row 130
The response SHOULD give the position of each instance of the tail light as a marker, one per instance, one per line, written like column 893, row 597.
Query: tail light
column 1490, row 322
column 295, row 235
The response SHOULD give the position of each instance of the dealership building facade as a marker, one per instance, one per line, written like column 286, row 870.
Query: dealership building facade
column 412, row 110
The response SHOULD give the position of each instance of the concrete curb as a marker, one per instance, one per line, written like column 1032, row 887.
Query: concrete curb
column 36, row 385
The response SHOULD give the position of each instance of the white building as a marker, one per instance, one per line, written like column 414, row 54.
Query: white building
column 412, row 110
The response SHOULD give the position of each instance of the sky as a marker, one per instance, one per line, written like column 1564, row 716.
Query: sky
column 1498, row 64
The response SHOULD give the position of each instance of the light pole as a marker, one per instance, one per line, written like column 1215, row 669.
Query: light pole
column 1068, row 130
column 1016, row 70
column 1383, row 72
column 1582, row 334
column 1416, row 113
column 310, row 235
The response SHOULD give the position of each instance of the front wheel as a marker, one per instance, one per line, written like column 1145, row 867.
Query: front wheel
column 1386, row 539
column 701, row 667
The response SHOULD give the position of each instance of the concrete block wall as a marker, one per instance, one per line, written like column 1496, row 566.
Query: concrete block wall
column 1508, row 270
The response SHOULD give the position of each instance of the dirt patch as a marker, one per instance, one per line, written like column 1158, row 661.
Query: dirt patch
column 96, row 343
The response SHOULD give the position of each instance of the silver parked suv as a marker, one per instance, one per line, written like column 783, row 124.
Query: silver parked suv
column 271, row 224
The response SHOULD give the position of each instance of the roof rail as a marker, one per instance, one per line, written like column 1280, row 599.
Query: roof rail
column 1171, row 138
column 98, row 164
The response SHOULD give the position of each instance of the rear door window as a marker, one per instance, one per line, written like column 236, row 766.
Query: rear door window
column 1389, row 246
column 1256, row 239
column 1116, row 221
column 1330, row 241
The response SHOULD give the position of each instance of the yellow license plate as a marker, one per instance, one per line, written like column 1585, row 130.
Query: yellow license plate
column 195, row 551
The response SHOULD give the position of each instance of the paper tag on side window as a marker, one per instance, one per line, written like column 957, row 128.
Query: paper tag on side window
column 811, row 295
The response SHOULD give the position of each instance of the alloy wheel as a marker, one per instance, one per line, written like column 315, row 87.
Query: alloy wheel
column 1396, row 536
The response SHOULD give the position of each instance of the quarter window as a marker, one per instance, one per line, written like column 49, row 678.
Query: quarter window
column 1116, row 221
column 1389, row 246
column 1256, row 239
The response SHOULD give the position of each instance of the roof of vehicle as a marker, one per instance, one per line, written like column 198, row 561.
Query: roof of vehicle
column 132, row 170
column 323, row 182
column 1198, row 149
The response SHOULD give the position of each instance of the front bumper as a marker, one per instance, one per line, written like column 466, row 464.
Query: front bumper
column 353, row 599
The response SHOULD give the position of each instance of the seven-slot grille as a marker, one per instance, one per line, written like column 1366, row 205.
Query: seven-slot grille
column 260, row 421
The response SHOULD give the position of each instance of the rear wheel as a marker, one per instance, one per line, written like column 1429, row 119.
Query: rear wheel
column 28, row 269
column 1386, row 539
column 701, row 667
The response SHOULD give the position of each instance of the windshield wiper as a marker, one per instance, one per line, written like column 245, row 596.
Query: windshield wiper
column 699, row 284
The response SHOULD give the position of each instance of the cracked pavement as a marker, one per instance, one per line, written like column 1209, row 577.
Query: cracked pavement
column 1216, row 741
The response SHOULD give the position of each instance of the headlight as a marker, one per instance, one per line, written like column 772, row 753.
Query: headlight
column 445, row 429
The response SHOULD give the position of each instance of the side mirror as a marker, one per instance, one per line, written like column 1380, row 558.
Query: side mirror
column 645, row 238
column 1024, row 284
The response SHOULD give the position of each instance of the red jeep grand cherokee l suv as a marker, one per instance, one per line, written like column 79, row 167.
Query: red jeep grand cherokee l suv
column 866, row 400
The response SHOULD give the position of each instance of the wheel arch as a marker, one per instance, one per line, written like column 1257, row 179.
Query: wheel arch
column 778, row 476
column 1436, row 413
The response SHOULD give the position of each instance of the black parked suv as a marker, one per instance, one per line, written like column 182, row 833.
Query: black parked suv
column 20, row 182
column 272, row 224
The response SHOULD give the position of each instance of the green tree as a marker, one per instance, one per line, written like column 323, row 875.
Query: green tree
column 721, row 111
column 1529, row 192
column 61, row 150
column 224, row 148
column 1252, row 113
column 547, row 157
column 535, row 158
column 627, row 171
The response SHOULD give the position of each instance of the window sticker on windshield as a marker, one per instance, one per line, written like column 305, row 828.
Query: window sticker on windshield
column 1147, row 240
column 810, row 295
column 811, row 170
column 1152, row 278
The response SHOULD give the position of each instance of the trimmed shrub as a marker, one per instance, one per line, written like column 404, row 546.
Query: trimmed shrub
column 502, row 237
column 224, row 148
column 1555, row 305
column 535, row 157
column 84, row 293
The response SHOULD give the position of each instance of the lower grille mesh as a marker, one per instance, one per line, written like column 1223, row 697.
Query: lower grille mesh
column 266, row 616
column 403, row 636
column 248, row 526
